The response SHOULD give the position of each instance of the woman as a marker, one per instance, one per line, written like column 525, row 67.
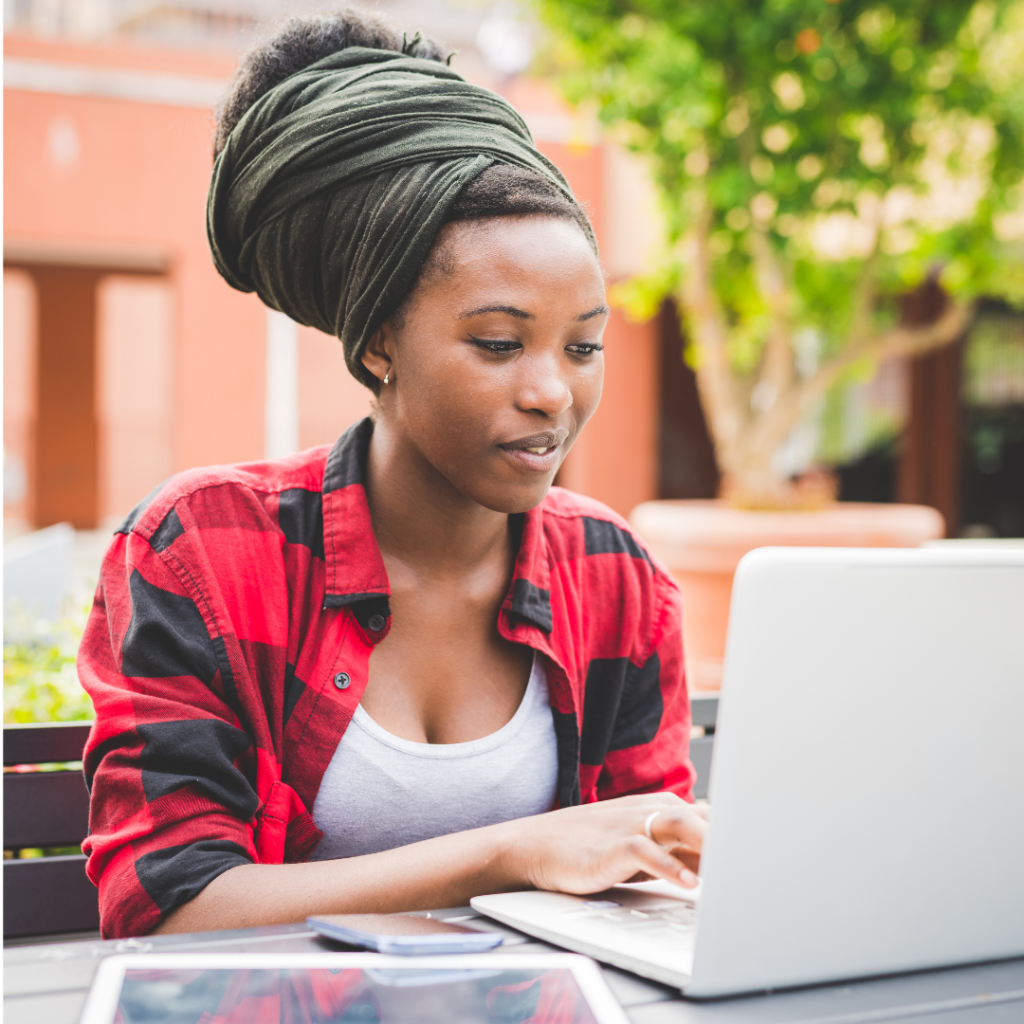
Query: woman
column 403, row 671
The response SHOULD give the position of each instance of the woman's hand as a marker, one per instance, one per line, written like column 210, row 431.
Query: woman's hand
column 577, row 849
column 593, row 846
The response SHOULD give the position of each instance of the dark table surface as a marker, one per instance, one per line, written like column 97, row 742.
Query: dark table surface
column 47, row 984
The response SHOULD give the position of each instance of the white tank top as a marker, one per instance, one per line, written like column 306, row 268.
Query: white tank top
column 380, row 791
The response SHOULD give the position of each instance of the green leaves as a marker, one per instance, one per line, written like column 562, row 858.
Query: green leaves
column 40, row 680
column 837, row 128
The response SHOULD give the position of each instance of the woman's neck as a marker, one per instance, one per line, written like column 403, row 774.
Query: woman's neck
column 421, row 520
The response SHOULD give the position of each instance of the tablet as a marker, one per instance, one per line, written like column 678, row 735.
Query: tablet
column 354, row 988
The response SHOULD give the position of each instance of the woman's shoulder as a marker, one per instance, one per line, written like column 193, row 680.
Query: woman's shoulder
column 227, row 495
column 577, row 525
column 603, row 530
column 601, row 568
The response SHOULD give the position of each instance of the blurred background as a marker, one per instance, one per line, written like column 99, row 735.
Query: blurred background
column 127, row 358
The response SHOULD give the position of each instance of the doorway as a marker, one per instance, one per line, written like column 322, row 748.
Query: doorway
column 66, row 450
column 686, row 456
column 94, row 394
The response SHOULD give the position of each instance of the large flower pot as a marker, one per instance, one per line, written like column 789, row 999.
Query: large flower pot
column 702, row 542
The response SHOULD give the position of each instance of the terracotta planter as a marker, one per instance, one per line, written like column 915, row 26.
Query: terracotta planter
column 702, row 542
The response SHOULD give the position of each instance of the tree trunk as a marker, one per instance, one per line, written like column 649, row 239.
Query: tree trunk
column 750, row 419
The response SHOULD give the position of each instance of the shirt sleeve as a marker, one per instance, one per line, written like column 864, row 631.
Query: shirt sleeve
column 648, row 750
column 170, row 765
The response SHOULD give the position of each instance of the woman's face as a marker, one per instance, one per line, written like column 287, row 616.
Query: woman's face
column 496, row 361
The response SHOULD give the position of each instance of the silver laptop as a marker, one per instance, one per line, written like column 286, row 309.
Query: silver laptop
column 866, row 789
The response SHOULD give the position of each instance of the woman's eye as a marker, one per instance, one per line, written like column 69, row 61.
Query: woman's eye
column 496, row 344
column 584, row 348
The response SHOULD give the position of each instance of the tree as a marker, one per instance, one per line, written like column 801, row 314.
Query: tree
column 815, row 159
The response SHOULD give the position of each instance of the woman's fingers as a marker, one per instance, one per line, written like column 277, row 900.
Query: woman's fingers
column 689, row 858
column 589, row 847
column 679, row 825
column 657, row 861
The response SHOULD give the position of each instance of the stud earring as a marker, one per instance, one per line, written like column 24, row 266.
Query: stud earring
column 386, row 375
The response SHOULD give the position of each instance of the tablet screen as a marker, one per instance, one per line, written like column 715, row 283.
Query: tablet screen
column 357, row 995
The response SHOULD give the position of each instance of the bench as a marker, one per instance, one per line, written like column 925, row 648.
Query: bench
column 46, row 896
column 704, row 710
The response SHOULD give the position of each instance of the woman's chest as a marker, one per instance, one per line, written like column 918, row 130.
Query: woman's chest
column 380, row 791
column 444, row 673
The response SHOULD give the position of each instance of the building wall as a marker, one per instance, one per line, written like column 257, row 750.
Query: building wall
column 19, row 391
column 615, row 458
column 330, row 398
column 110, row 169
column 135, row 389
column 111, row 181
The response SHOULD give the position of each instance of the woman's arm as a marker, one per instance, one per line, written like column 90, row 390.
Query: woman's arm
column 577, row 849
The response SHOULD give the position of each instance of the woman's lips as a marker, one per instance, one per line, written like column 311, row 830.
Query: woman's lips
column 542, row 461
column 538, row 453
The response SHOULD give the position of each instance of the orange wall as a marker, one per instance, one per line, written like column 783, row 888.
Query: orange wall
column 330, row 398
column 134, row 389
column 139, row 179
column 137, row 175
column 583, row 168
column 615, row 458
column 19, row 385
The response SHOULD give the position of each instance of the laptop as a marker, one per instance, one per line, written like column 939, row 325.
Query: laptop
column 866, row 787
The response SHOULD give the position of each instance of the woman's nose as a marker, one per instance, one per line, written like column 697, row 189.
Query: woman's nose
column 544, row 388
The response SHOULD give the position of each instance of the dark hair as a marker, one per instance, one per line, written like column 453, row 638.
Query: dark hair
column 501, row 190
column 506, row 191
column 302, row 41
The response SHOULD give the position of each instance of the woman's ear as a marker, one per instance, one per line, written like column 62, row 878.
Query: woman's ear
column 377, row 354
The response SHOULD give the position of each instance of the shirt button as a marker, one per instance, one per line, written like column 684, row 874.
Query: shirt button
column 341, row 680
column 376, row 623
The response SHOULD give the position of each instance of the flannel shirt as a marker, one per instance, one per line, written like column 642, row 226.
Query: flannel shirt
column 228, row 648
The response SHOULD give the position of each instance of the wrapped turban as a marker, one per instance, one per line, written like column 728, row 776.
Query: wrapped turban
column 330, row 190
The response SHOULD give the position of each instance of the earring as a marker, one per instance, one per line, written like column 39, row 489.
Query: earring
column 386, row 375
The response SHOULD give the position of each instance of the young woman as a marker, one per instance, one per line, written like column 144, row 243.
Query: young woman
column 403, row 671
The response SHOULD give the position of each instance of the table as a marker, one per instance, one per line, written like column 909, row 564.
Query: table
column 47, row 983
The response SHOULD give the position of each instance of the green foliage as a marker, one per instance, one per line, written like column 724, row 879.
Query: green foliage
column 40, row 681
column 35, row 852
column 845, row 130
column 994, row 362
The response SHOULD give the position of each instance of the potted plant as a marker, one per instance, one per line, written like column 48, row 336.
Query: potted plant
column 815, row 159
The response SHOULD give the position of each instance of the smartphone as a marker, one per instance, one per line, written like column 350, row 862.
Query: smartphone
column 402, row 934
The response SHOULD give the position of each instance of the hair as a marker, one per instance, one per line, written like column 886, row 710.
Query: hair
column 302, row 41
column 502, row 190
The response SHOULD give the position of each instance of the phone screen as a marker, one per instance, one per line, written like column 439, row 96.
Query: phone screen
column 403, row 934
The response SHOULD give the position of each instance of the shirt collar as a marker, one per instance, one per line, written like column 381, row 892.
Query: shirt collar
column 356, row 576
column 529, row 595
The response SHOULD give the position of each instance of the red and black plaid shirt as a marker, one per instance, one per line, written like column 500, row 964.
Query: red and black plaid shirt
column 229, row 646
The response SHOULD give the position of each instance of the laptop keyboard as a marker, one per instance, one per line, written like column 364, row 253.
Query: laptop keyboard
column 665, row 922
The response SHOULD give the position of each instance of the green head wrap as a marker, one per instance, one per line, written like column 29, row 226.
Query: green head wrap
column 330, row 190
